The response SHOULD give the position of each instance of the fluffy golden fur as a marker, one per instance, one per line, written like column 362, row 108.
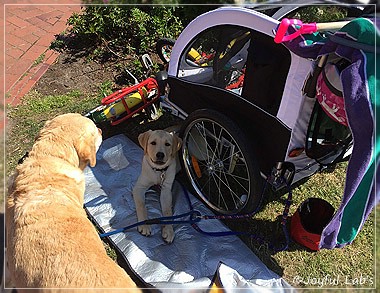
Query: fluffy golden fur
column 50, row 241
column 159, row 167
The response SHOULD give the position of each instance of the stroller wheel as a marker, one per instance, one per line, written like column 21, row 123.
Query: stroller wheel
column 220, row 164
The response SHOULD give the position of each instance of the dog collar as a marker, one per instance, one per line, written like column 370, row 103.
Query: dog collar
column 23, row 158
column 160, row 170
column 163, row 174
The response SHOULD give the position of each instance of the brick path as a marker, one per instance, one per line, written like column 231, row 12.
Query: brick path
column 29, row 28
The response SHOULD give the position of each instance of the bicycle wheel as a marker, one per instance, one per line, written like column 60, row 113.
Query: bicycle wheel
column 164, row 48
column 220, row 164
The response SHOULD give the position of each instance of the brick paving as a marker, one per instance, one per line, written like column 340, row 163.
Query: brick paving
column 29, row 28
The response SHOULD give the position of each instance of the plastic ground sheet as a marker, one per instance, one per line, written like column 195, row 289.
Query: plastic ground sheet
column 193, row 260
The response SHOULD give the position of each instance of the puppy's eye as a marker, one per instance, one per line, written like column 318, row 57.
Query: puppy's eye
column 153, row 143
column 167, row 144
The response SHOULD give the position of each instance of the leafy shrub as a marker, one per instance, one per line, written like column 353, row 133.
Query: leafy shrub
column 124, row 29
column 321, row 13
column 109, row 28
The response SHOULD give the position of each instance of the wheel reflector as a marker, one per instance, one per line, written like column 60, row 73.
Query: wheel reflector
column 196, row 167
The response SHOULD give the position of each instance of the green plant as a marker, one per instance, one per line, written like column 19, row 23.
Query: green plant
column 58, row 43
column 152, row 23
column 137, row 69
column 321, row 13
column 39, row 60
column 29, row 117
column 120, row 30
column 105, row 88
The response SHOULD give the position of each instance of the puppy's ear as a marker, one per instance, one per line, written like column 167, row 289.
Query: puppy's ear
column 143, row 140
column 177, row 143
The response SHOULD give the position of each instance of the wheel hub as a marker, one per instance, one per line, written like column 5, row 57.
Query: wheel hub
column 217, row 165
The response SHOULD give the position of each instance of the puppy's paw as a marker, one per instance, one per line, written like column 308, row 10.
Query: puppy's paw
column 168, row 233
column 144, row 230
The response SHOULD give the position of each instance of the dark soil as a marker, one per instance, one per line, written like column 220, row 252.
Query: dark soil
column 69, row 74
column 78, row 72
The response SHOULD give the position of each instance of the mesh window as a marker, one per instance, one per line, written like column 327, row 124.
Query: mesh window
column 326, row 141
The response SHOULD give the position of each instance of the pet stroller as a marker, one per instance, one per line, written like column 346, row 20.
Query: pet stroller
column 254, row 109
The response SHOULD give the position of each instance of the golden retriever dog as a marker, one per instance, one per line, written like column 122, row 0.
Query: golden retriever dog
column 50, row 241
column 159, row 167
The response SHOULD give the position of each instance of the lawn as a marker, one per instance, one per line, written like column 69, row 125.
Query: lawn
column 350, row 267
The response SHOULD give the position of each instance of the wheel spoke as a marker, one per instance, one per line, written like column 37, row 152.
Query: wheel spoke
column 220, row 193
column 207, row 182
column 234, row 195
column 238, row 177
column 217, row 140
column 204, row 138
column 216, row 165
column 234, row 177
column 229, row 157
column 208, row 146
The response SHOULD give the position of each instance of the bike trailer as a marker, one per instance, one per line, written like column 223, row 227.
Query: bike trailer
column 255, row 103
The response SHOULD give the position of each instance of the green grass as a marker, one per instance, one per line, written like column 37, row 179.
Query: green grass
column 299, row 267
column 106, row 88
column 339, row 268
column 346, row 265
column 26, row 119
column 39, row 59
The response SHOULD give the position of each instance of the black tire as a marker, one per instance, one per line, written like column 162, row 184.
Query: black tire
column 164, row 48
column 218, row 160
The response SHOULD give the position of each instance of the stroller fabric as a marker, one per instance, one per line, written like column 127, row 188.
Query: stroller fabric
column 360, row 84
column 329, row 93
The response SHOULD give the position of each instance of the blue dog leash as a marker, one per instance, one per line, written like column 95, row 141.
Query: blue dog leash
column 193, row 217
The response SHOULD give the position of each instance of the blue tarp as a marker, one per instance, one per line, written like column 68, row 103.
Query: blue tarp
column 193, row 259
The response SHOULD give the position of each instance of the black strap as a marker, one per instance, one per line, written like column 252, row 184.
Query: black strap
column 23, row 158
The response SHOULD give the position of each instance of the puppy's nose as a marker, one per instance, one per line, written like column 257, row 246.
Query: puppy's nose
column 160, row 156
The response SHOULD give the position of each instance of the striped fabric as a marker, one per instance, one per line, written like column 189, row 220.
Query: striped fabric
column 360, row 85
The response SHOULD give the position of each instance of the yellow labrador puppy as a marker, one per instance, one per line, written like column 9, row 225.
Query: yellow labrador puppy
column 159, row 167
column 50, row 241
